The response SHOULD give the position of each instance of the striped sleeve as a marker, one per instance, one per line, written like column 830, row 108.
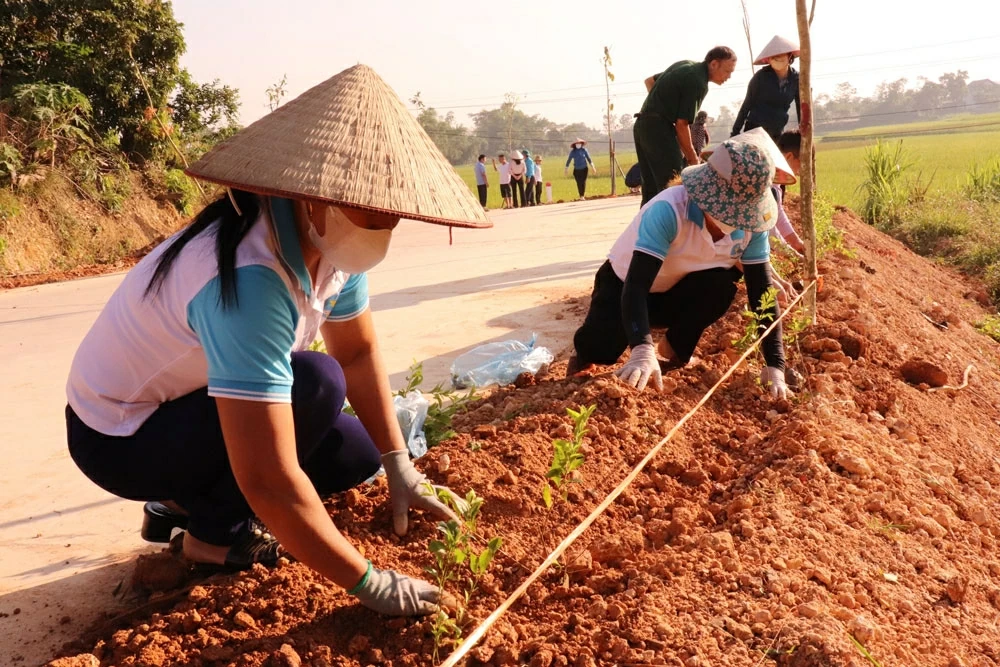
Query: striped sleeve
column 657, row 229
column 352, row 300
column 248, row 345
column 758, row 250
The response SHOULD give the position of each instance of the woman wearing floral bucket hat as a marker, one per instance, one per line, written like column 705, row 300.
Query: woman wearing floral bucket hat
column 195, row 389
column 677, row 264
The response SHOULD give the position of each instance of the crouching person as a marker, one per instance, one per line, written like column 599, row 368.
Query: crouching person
column 678, row 263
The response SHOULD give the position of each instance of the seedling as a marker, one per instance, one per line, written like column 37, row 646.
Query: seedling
column 444, row 404
column 864, row 651
column 566, row 457
column 457, row 562
column 757, row 322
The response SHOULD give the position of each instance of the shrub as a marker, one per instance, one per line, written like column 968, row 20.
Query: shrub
column 982, row 183
column 11, row 162
column 184, row 192
column 884, row 190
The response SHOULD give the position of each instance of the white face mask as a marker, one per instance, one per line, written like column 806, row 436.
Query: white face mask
column 779, row 64
column 349, row 247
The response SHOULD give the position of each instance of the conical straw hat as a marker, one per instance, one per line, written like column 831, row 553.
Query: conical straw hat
column 777, row 46
column 347, row 141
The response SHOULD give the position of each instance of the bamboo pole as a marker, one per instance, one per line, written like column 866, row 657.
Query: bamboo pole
column 806, row 153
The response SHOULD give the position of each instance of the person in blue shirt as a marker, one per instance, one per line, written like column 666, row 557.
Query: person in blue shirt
column 677, row 264
column 529, row 178
column 580, row 158
column 195, row 389
column 482, row 185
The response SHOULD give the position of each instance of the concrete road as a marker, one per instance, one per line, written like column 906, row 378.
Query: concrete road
column 65, row 544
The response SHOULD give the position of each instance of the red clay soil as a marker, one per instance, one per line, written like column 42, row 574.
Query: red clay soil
column 853, row 525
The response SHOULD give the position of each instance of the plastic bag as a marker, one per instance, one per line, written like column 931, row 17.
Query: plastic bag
column 498, row 363
column 411, row 412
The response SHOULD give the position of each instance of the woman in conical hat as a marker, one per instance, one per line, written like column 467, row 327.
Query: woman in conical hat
column 195, row 389
column 771, row 90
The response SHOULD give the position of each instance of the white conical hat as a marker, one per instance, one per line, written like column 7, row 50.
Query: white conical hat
column 348, row 141
column 776, row 47
column 783, row 174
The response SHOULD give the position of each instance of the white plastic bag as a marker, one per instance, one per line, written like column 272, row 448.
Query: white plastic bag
column 498, row 363
column 411, row 412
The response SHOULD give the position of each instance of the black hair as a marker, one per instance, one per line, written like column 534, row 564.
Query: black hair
column 720, row 53
column 481, row 157
column 230, row 229
column 790, row 142
column 500, row 155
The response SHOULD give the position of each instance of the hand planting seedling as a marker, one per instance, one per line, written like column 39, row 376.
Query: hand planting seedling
column 453, row 553
column 566, row 456
column 757, row 322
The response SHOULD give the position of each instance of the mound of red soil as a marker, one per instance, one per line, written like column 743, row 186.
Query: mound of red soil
column 857, row 519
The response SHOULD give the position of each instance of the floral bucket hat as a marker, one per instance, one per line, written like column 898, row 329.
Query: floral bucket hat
column 733, row 186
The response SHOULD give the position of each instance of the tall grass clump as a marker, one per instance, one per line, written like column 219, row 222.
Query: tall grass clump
column 982, row 183
column 884, row 190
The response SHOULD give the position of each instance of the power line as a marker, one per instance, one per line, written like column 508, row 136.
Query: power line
column 740, row 86
column 844, row 57
column 542, row 134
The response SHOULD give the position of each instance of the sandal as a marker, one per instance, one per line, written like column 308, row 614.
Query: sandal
column 254, row 544
column 159, row 521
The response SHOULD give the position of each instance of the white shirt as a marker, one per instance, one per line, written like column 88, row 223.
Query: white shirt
column 504, row 169
column 671, row 227
column 538, row 172
column 145, row 350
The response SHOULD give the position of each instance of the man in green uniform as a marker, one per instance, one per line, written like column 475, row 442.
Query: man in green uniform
column 662, row 133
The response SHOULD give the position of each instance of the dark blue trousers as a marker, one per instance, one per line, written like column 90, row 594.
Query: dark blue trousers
column 179, row 454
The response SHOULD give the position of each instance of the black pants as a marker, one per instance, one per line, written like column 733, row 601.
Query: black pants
column 529, row 192
column 659, row 154
column 482, row 194
column 581, row 180
column 538, row 192
column 685, row 310
column 178, row 453
column 517, row 186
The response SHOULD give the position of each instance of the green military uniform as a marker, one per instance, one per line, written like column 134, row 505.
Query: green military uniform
column 677, row 94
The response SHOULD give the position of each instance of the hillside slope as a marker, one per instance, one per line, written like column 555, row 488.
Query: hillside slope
column 861, row 513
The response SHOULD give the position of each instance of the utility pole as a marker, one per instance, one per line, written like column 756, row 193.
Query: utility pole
column 608, row 78
column 806, row 173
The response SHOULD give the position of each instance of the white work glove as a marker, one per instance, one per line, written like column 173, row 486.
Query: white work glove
column 394, row 594
column 410, row 488
column 773, row 380
column 641, row 367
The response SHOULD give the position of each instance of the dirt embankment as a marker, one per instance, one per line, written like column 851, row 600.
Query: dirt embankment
column 853, row 525
column 50, row 231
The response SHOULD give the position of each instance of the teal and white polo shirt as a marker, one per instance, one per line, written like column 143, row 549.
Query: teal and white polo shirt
column 671, row 227
column 144, row 351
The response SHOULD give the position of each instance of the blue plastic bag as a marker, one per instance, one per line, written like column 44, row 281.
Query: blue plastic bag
column 498, row 363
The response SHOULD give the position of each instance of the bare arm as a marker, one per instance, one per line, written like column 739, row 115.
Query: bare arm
column 354, row 345
column 650, row 82
column 260, row 441
column 683, row 130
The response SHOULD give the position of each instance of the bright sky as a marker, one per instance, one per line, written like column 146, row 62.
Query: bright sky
column 463, row 56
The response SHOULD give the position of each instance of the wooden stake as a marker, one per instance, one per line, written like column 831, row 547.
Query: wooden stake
column 807, row 159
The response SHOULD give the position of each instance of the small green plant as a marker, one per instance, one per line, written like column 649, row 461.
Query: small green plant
column 11, row 162
column 828, row 237
column 990, row 325
column 566, row 456
column 864, row 651
column 884, row 189
column 183, row 191
column 457, row 562
column 757, row 322
column 444, row 404
column 982, row 183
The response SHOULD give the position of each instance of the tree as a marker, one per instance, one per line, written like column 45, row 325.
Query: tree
column 956, row 84
column 276, row 91
column 452, row 139
column 626, row 122
column 96, row 47
column 204, row 109
column 58, row 114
